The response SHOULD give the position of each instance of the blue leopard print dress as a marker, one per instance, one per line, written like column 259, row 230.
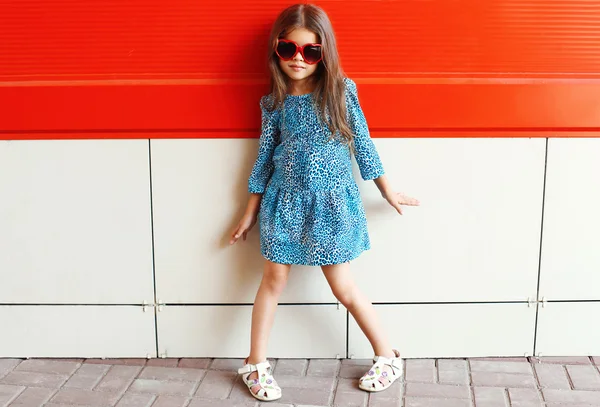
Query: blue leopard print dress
column 311, row 212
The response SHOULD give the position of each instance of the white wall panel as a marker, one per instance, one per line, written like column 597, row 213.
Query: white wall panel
column 199, row 192
column 568, row 328
column 77, row 331
column 300, row 331
column 75, row 222
column 452, row 330
column 571, row 242
column 475, row 236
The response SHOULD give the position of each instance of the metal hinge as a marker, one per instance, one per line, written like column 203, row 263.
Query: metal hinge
column 158, row 305
column 531, row 302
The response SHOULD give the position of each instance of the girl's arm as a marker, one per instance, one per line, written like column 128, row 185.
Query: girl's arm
column 394, row 198
column 261, row 171
column 366, row 154
column 248, row 220
column 269, row 139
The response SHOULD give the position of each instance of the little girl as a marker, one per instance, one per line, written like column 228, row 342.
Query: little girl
column 303, row 188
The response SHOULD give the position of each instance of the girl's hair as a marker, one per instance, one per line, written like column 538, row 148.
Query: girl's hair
column 329, row 91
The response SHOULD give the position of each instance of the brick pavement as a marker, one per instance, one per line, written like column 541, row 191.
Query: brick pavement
column 477, row 382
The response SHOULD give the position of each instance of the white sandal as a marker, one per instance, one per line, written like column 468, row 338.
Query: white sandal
column 269, row 390
column 371, row 381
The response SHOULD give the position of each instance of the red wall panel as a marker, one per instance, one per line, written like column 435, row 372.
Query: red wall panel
column 72, row 69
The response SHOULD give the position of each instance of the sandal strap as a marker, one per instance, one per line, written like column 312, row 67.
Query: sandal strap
column 394, row 363
column 259, row 367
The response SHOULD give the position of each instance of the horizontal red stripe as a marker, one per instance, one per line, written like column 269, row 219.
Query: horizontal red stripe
column 212, row 108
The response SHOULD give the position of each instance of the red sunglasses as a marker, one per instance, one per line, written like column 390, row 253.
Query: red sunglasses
column 287, row 50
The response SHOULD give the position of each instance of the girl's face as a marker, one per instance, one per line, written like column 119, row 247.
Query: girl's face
column 296, row 68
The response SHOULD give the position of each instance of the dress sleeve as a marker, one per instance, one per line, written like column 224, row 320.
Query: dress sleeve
column 365, row 152
column 269, row 138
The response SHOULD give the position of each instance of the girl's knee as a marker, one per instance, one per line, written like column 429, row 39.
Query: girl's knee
column 275, row 279
column 344, row 293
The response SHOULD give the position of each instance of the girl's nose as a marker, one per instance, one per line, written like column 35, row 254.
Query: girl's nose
column 298, row 57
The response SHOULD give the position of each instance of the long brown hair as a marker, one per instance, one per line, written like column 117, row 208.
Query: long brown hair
column 329, row 92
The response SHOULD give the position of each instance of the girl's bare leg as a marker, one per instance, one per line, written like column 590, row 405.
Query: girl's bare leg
column 345, row 290
column 263, row 312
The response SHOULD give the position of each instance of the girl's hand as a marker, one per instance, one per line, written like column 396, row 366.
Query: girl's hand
column 246, row 223
column 397, row 198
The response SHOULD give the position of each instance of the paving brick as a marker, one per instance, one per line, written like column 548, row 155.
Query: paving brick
column 227, row 364
column 127, row 362
column 453, row 371
column 33, row 396
column 171, row 373
column 9, row 392
column 353, row 371
column 216, row 384
column 570, row 405
column 552, row 376
column 584, row 378
column 118, row 378
column 523, row 395
column 294, row 367
column 323, row 367
column 197, row 363
column 47, row 366
column 357, row 362
column 87, row 377
column 92, row 370
column 240, row 391
column 77, row 360
column 35, row 379
column 136, row 400
column 296, row 395
column 452, row 364
column 220, row 403
column 502, row 359
column 350, row 399
column 348, row 386
column 491, row 379
column 490, row 397
column 163, row 362
column 565, row 360
column 170, row 401
column 305, row 382
column 383, row 401
column 7, row 365
column 348, row 393
column 527, row 404
column 85, row 397
column 571, row 396
column 431, row 402
column 395, row 391
column 162, row 387
column 274, row 404
column 420, row 370
column 437, row 390
column 500, row 367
